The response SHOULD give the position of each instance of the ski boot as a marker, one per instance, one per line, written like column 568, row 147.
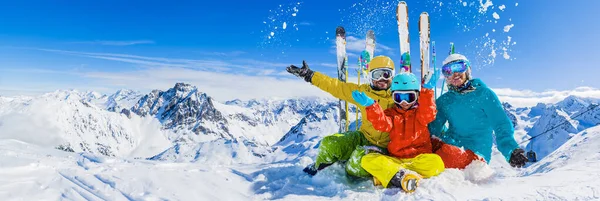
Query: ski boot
column 312, row 169
column 405, row 179
column 376, row 182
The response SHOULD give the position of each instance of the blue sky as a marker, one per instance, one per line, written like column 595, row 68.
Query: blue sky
column 224, row 49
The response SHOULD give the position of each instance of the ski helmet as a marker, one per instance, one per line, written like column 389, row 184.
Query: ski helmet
column 381, row 62
column 458, row 57
column 405, row 82
column 454, row 57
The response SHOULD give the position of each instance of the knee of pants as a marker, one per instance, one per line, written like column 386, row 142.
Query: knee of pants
column 455, row 157
column 437, row 164
column 329, row 140
column 373, row 161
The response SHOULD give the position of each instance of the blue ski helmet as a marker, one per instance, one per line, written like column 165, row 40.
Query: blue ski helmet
column 405, row 82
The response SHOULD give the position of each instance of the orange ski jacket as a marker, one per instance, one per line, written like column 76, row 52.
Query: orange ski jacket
column 408, row 131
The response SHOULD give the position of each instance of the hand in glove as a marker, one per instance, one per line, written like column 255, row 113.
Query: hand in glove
column 518, row 158
column 303, row 72
column 362, row 99
column 431, row 79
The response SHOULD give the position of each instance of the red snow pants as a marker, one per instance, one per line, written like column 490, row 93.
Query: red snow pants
column 453, row 156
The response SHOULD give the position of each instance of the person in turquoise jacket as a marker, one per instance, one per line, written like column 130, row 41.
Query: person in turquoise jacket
column 473, row 112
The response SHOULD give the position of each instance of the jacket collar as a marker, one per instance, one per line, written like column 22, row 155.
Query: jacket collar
column 465, row 88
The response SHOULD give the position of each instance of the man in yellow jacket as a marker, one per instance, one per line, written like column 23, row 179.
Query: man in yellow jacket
column 352, row 145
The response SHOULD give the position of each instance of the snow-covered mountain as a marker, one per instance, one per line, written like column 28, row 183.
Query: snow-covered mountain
column 551, row 125
column 187, row 111
column 511, row 112
column 122, row 99
column 192, row 119
column 253, row 148
column 69, row 121
column 252, row 125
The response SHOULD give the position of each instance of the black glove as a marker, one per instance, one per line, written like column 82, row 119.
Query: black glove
column 303, row 72
column 518, row 158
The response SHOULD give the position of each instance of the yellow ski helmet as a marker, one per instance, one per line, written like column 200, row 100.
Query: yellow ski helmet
column 381, row 62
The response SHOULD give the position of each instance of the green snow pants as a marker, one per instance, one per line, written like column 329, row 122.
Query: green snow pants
column 345, row 147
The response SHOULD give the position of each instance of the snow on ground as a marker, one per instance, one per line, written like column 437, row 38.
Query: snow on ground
column 31, row 172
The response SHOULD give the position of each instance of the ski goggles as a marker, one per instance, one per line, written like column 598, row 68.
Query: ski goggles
column 382, row 73
column 459, row 66
column 405, row 96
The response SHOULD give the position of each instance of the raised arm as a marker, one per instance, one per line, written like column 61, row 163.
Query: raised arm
column 378, row 118
column 427, row 110
column 333, row 86
column 375, row 113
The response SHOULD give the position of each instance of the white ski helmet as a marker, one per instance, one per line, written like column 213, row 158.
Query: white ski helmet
column 454, row 57
column 458, row 57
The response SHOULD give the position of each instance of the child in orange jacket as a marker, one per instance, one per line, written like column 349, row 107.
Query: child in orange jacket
column 410, row 143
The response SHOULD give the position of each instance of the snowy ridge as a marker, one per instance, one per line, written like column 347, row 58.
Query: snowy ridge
column 573, row 104
column 557, row 123
column 217, row 152
column 302, row 139
column 554, row 134
column 581, row 151
column 66, row 120
column 260, row 155
column 186, row 111
column 122, row 99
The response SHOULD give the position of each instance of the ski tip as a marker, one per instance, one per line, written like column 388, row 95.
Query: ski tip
column 425, row 13
column 340, row 30
column 402, row 2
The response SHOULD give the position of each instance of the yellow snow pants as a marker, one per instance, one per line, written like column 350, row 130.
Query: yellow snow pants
column 385, row 167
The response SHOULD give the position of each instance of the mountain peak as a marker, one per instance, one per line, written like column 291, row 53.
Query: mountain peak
column 183, row 108
column 572, row 104
column 180, row 86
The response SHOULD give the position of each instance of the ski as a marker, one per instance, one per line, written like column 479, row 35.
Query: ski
column 364, row 58
column 366, row 55
column 443, row 90
column 370, row 44
column 424, row 39
column 340, row 42
column 434, row 68
column 402, row 18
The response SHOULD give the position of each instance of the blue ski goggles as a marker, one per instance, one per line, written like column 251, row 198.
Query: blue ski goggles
column 405, row 96
column 459, row 66
column 381, row 73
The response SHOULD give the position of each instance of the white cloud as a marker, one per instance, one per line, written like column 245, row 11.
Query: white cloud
column 330, row 65
column 219, row 85
column 528, row 98
column 116, row 43
column 267, row 79
column 348, row 54
column 224, row 54
column 250, row 65
column 358, row 45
